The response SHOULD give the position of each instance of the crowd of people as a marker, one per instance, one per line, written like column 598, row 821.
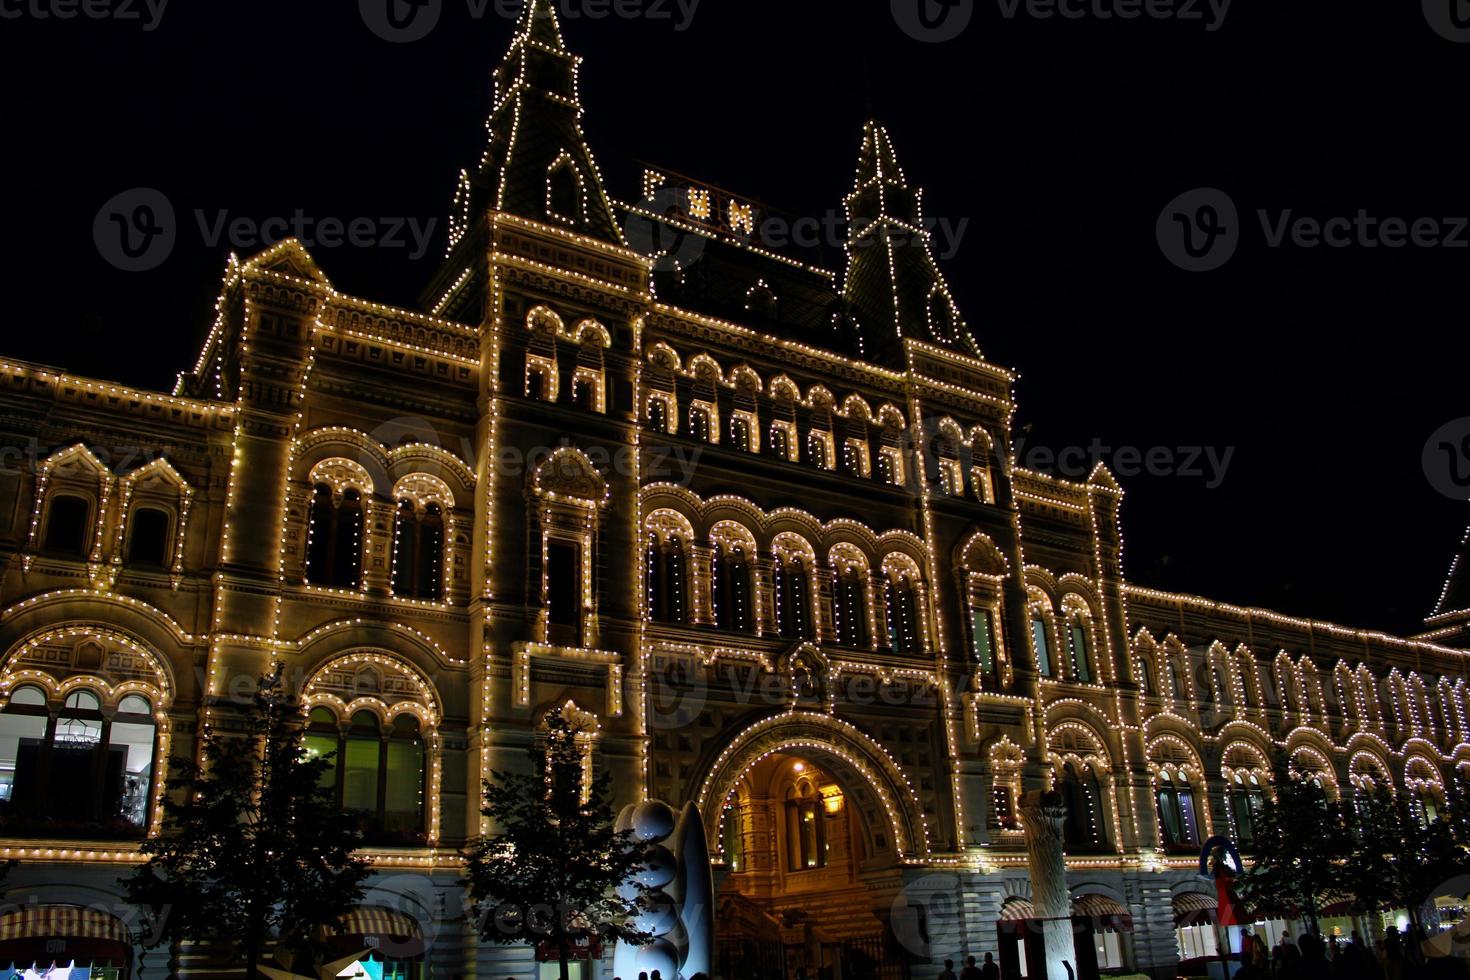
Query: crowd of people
column 1310, row 957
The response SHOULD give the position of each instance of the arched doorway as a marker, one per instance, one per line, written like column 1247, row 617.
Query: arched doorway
column 800, row 858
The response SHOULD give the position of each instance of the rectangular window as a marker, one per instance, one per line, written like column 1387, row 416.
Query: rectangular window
column 563, row 584
column 855, row 457
column 982, row 631
column 1039, row 644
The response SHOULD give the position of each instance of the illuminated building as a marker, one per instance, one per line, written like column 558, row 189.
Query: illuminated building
column 756, row 519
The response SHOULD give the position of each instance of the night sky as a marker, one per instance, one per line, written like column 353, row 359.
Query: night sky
column 1060, row 140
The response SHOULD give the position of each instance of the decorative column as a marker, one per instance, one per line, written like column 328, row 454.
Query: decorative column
column 1043, row 815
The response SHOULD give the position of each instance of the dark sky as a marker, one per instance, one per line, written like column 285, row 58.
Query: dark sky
column 1060, row 140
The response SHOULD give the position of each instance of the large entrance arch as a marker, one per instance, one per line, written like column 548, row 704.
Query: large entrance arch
column 809, row 820
column 878, row 786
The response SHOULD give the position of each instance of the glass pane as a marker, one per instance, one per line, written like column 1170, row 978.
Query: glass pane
column 319, row 746
column 136, row 742
column 1169, row 816
column 1038, row 641
column 149, row 542
column 134, row 704
column 83, row 701
column 980, row 626
column 360, row 779
column 404, row 808
column 29, row 695
column 1079, row 654
column 14, row 731
column 1186, row 808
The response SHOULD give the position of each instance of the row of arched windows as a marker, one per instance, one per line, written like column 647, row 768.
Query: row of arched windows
column 335, row 541
column 734, row 601
column 69, row 529
column 378, row 772
column 79, row 770
column 1404, row 706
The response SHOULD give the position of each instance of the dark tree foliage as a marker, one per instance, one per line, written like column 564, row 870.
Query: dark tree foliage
column 1302, row 848
column 253, row 844
column 1398, row 857
column 555, row 871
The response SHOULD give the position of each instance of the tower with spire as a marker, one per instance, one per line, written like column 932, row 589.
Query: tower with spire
column 893, row 286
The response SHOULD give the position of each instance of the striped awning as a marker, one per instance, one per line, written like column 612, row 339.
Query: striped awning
column 1106, row 913
column 1016, row 909
column 61, row 922
column 1194, row 909
column 377, row 921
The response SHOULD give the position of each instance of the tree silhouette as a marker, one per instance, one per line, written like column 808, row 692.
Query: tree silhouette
column 253, row 843
column 555, row 873
column 1302, row 846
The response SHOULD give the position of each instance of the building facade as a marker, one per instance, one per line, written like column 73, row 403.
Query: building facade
column 755, row 520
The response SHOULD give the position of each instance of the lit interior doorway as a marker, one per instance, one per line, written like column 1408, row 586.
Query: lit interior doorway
column 796, row 843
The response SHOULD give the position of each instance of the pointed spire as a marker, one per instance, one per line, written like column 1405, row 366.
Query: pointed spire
column 876, row 159
column 893, row 287
column 537, row 163
column 539, row 25
column 1455, row 596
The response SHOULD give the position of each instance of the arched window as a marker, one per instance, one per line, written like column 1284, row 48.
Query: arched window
column 781, row 439
column 1145, row 675
column 666, row 577
column 1247, row 688
column 1178, row 820
column 658, row 414
column 377, row 773
column 699, row 422
column 904, row 634
column 86, row 775
column 740, row 431
column 418, row 551
column 67, row 526
column 1247, row 799
column 793, row 598
column 148, row 538
column 334, row 539
column 1082, row 796
column 734, row 609
column 851, row 600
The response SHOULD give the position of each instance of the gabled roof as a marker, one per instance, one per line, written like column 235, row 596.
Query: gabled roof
column 288, row 257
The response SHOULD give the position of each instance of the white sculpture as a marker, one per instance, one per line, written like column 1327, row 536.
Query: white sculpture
column 679, row 898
